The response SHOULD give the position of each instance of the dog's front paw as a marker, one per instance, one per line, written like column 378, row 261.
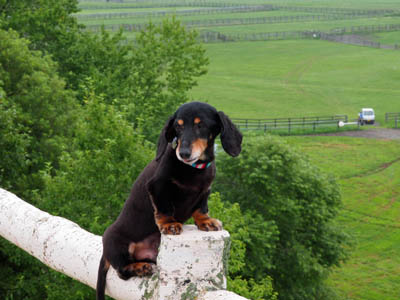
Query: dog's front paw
column 173, row 228
column 209, row 224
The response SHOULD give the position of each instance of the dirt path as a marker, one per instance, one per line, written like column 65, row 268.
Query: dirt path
column 378, row 133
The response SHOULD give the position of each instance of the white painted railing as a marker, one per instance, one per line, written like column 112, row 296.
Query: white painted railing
column 189, row 266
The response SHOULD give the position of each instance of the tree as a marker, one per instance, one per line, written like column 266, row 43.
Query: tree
column 37, row 114
column 150, row 76
column 166, row 59
column 48, row 24
column 93, row 180
column 280, row 188
column 36, row 117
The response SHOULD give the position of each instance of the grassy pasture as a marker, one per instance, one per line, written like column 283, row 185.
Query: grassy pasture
column 295, row 78
column 365, row 4
column 325, row 25
column 389, row 38
column 370, row 214
column 300, row 78
column 182, row 18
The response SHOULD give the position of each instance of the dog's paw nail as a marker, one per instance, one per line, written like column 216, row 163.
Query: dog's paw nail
column 171, row 228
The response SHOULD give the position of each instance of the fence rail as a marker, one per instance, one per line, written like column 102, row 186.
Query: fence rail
column 212, row 8
column 393, row 117
column 239, row 21
column 201, row 11
column 289, row 123
column 215, row 36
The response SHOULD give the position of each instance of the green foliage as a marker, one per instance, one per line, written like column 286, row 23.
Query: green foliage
column 36, row 118
column 89, row 187
column 48, row 24
column 279, row 187
column 241, row 229
column 93, row 181
column 167, row 59
column 36, row 113
column 251, row 289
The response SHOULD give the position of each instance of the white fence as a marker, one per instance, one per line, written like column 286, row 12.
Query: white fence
column 191, row 265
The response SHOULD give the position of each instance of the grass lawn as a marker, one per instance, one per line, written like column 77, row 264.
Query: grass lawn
column 388, row 38
column 370, row 214
column 300, row 78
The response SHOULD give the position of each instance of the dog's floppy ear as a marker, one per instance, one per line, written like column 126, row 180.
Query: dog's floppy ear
column 231, row 138
column 166, row 136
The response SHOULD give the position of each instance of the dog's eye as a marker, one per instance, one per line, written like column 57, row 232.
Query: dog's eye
column 179, row 126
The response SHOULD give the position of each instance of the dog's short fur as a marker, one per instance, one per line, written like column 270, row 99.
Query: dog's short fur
column 172, row 188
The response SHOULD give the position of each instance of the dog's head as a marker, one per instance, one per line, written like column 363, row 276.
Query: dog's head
column 195, row 126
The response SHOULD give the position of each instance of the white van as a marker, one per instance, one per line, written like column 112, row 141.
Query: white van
column 366, row 116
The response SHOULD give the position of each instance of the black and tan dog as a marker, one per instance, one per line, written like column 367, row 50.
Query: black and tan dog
column 172, row 188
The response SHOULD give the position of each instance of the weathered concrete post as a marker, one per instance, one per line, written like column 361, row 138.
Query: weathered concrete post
column 192, row 263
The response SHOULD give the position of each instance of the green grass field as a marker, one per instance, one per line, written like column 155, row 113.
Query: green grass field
column 296, row 78
column 300, row 78
column 369, row 181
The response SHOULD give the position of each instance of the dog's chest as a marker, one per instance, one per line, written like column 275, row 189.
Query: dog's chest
column 187, row 195
column 189, row 187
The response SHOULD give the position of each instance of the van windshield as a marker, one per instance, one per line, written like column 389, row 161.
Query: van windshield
column 368, row 113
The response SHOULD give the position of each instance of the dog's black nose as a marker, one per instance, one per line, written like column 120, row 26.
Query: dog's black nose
column 185, row 152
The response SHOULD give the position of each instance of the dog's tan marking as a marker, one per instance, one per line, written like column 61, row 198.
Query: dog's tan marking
column 197, row 120
column 131, row 249
column 205, row 223
column 167, row 224
column 106, row 265
column 199, row 146
column 180, row 122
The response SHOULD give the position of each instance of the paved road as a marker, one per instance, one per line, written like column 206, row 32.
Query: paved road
column 378, row 133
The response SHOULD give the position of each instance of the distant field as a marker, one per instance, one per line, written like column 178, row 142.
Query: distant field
column 325, row 26
column 183, row 18
column 367, row 4
column 300, row 78
column 389, row 38
column 371, row 211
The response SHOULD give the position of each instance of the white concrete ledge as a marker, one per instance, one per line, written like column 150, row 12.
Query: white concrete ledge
column 191, row 265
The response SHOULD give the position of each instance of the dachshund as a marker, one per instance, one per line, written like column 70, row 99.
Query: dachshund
column 172, row 188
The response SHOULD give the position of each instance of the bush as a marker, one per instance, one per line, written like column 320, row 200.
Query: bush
column 241, row 229
column 276, row 185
